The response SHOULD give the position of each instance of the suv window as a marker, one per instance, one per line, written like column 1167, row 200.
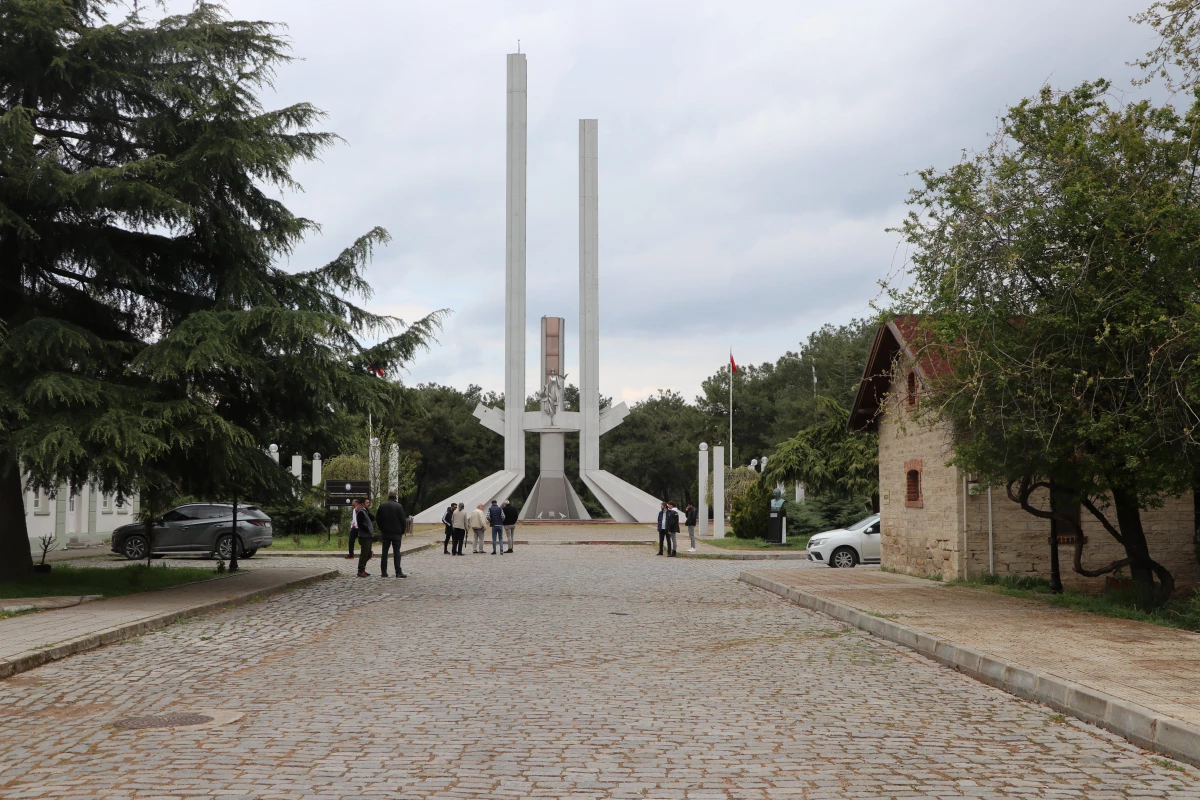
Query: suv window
column 181, row 514
column 215, row 512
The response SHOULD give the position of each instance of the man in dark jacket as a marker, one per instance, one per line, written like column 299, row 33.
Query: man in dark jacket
column 448, row 521
column 366, row 533
column 510, row 524
column 495, row 518
column 664, row 526
column 390, row 519
column 672, row 527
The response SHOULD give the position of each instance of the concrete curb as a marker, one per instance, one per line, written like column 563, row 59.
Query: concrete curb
column 734, row 555
column 337, row 553
column 36, row 658
column 1142, row 726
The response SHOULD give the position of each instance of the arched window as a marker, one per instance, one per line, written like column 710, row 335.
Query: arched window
column 912, row 390
column 913, row 498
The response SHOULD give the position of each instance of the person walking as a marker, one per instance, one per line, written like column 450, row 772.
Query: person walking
column 366, row 533
column 690, row 520
column 662, row 528
column 353, row 527
column 448, row 521
column 510, row 524
column 458, row 521
column 672, row 528
column 390, row 519
column 476, row 522
column 496, row 518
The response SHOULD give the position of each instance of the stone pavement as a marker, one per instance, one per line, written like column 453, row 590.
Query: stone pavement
column 30, row 640
column 1149, row 665
column 580, row 672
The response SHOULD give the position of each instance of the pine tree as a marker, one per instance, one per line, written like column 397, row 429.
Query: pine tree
column 148, row 340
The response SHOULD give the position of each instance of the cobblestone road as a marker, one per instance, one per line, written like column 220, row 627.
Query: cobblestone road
column 560, row 671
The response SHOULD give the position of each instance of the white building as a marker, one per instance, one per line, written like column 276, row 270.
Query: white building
column 77, row 517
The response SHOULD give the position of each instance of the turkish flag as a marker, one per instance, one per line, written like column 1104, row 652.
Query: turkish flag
column 732, row 363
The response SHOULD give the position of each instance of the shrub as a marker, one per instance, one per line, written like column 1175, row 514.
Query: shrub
column 750, row 512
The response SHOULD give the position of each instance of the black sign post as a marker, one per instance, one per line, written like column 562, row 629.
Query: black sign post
column 341, row 494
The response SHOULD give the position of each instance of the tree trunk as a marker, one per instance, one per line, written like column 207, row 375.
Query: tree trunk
column 16, row 560
column 1142, row 567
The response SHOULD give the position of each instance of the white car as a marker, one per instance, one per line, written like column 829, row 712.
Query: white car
column 856, row 544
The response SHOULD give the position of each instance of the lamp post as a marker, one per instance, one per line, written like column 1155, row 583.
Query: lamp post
column 274, row 451
column 754, row 464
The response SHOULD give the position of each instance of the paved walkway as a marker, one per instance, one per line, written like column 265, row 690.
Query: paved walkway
column 1149, row 665
column 30, row 639
column 556, row 672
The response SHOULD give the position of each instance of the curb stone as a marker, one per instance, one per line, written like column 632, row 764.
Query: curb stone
column 36, row 658
column 1143, row 727
column 733, row 555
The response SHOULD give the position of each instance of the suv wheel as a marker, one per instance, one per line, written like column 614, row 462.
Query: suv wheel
column 843, row 557
column 224, row 549
column 248, row 553
column 134, row 547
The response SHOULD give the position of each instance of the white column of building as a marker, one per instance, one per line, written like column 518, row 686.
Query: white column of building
column 589, row 296
column 514, row 265
column 719, row 492
column 702, row 518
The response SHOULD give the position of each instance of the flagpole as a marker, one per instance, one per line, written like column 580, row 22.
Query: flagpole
column 731, row 370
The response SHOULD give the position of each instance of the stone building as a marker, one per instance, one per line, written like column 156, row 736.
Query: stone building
column 936, row 521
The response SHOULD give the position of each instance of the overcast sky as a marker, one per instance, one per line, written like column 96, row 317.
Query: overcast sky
column 751, row 156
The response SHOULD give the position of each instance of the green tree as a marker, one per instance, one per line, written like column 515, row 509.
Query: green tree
column 1057, row 275
column 151, row 343
column 748, row 517
column 828, row 459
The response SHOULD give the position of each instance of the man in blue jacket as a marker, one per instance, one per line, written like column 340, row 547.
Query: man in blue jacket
column 495, row 516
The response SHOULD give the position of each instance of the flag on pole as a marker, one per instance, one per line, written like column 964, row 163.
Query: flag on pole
column 732, row 363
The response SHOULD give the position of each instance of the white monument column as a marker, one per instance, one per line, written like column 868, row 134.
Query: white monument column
column 718, row 492
column 297, row 465
column 589, row 296
column 394, row 468
column 702, row 518
column 316, row 470
column 514, row 265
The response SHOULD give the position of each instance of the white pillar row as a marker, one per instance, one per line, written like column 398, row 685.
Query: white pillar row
column 718, row 492
column 316, row 471
column 702, row 517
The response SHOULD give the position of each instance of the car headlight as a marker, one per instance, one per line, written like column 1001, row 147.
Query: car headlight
column 815, row 542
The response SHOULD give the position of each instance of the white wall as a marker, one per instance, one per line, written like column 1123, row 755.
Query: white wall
column 77, row 518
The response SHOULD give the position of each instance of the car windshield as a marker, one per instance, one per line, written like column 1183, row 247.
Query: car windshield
column 862, row 523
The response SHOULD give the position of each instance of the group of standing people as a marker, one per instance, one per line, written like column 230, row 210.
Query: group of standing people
column 501, row 518
column 668, row 527
column 388, row 524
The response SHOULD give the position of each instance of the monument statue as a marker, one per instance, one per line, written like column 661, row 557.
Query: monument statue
column 552, row 496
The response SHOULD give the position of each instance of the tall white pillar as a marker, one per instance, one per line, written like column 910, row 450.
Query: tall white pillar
column 589, row 296
column 297, row 465
column 514, row 265
column 702, row 518
column 718, row 492
column 394, row 468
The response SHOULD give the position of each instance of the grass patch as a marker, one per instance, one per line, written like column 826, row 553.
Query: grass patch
column 734, row 543
column 107, row 581
column 309, row 541
column 1180, row 613
column 1171, row 765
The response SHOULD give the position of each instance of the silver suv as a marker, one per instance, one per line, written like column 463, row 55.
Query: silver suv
column 197, row 528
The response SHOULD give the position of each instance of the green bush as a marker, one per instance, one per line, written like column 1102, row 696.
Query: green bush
column 750, row 512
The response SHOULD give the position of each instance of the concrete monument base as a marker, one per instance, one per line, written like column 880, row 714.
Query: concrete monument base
column 497, row 486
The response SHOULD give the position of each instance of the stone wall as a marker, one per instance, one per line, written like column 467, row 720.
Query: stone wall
column 924, row 538
column 927, row 538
